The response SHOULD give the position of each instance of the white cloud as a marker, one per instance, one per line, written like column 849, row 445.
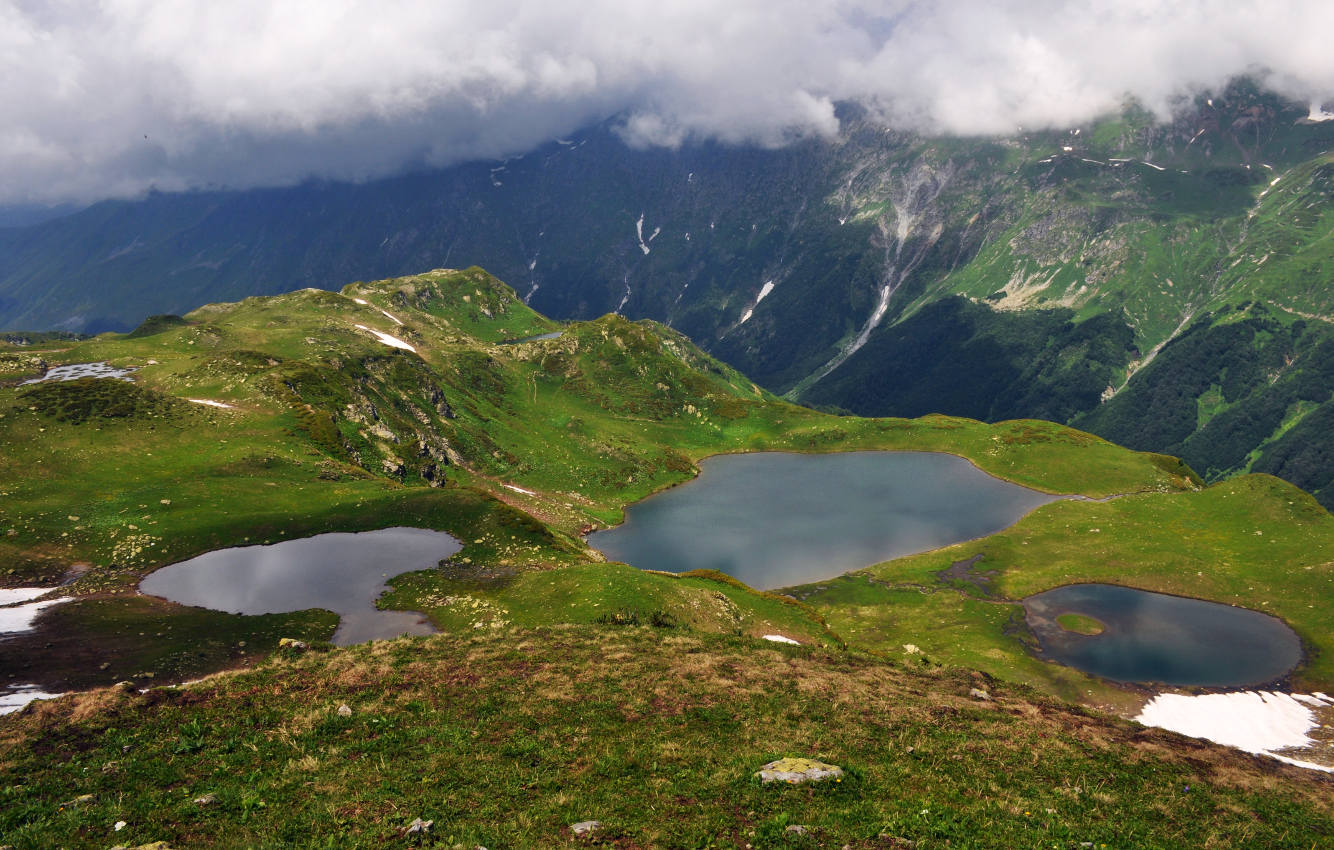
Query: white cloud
column 109, row 97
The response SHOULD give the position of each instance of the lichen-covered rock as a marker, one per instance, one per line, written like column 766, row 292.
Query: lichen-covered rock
column 795, row 770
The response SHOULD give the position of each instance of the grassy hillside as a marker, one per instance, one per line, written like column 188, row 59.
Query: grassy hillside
column 508, row 738
column 429, row 401
column 514, row 447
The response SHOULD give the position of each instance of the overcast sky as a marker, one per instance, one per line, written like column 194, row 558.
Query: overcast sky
column 106, row 98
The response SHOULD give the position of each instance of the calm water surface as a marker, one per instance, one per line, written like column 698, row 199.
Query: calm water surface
column 773, row 519
column 1153, row 637
column 342, row 572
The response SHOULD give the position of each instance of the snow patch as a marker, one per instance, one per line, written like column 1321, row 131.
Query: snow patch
column 15, row 698
column 211, row 403
column 746, row 316
column 385, row 338
column 639, row 234
column 765, row 290
column 782, row 639
column 518, row 489
column 363, row 302
column 1155, row 167
column 1318, row 113
column 19, row 618
column 1259, row 722
column 15, row 595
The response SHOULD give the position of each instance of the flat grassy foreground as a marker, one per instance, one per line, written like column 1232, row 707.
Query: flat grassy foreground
column 505, row 739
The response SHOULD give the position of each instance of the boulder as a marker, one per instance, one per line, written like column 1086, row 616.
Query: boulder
column 796, row 770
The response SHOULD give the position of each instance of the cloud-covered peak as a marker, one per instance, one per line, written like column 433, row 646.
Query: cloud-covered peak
column 111, row 97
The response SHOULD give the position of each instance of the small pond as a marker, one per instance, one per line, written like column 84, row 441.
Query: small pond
column 341, row 572
column 1152, row 637
column 74, row 371
column 773, row 519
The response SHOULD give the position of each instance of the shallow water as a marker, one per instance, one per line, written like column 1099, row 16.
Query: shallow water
column 342, row 572
column 1153, row 637
column 74, row 371
column 773, row 519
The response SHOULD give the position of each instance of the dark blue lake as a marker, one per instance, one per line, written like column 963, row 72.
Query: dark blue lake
column 773, row 519
column 1152, row 637
column 343, row 572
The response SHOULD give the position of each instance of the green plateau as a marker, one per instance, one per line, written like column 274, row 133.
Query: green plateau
column 562, row 687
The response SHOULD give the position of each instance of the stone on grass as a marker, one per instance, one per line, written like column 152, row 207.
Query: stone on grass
column 206, row 800
column 978, row 693
column 797, row 829
column 795, row 770
column 585, row 827
column 344, row 710
column 418, row 827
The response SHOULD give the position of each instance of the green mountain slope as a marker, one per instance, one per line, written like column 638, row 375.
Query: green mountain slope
column 442, row 400
column 509, row 739
column 828, row 271
column 564, row 687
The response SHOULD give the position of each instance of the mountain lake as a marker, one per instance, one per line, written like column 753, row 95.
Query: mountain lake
column 344, row 572
column 774, row 519
column 1146, row 637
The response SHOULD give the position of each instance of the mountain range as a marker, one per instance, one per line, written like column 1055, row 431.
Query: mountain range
column 1159, row 284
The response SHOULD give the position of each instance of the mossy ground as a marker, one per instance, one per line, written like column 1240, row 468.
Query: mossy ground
column 506, row 738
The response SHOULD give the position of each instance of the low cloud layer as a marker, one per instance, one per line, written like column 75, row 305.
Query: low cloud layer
column 108, row 98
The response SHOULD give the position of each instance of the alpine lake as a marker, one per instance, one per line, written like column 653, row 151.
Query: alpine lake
column 779, row 520
column 773, row 519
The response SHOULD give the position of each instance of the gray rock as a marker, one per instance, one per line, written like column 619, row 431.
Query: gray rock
column 798, row 829
column 206, row 800
column 344, row 710
column 795, row 770
column 585, row 827
column 978, row 693
column 418, row 827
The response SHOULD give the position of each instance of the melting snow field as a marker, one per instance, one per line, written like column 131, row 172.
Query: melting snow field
column 392, row 341
column 1257, row 722
column 210, row 402
column 15, row 698
column 782, row 639
column 74, row 371
column 19, row 618
column 15, row 595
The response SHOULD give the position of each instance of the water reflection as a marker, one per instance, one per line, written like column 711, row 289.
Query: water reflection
column 341, row 572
